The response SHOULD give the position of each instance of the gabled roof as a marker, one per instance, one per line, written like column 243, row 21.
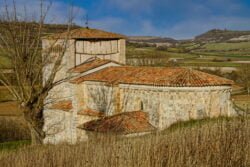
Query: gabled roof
column 65, row 105
column 124, row 123
column 91, row 64
column 156, row 76
column 86, row 33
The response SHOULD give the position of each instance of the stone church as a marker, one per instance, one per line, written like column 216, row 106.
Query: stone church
column 103, row 94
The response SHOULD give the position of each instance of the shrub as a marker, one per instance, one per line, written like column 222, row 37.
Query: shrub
column 13, row 128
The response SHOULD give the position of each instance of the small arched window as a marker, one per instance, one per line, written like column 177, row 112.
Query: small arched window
column 141, row 105
column 138, row 104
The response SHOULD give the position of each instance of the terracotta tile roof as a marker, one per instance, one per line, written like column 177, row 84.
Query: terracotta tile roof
column 124, row 123
column 90, row 112
column 157, row 76
column 64, row 105
column 91, row 64
column 87, row 33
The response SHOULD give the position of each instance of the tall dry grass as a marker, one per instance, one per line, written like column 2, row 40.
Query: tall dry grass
column 222, row 142
column 13, row 128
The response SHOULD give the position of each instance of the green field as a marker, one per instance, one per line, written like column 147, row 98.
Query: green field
column 195, row 54
column 13, row 145
column 227, row 46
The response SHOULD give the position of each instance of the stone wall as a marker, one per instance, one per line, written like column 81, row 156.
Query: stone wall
column 122, row 56
column 96, row 96
column 60, row 126
column 63, row 90
column 68, row 58
column 82, row 134
column 167, row 105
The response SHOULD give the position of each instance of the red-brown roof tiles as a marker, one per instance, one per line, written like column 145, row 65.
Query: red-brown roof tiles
column 87, row 33
column 124, row 123
column 64, row 105
column 157, row 76
column 91, row 64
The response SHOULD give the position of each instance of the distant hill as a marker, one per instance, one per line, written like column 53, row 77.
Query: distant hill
column 217, row 35
column 47, row 28
column 57, row 28
column 152, row 40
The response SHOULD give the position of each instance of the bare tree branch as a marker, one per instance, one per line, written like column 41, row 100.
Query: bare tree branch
column 21, row 42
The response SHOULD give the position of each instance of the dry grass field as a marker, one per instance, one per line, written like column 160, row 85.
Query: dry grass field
column 9, row 108
column 13, row 128
column 242, row 101
column 4, row 94
column 221, row 142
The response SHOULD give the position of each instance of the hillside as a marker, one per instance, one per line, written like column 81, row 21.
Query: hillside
column 152, row 40
column 211, row 36
column 217, row 35
column 47, row 28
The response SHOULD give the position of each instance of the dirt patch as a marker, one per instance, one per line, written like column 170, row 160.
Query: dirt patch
column 5, row 94
column 241, row 98
column 242, row 101
column 9, row 109
column 242, row 62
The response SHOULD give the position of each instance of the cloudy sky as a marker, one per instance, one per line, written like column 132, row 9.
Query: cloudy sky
column 179, row 19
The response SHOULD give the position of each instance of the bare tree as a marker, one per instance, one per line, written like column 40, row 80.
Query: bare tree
column 244, row 75
column 20, row 41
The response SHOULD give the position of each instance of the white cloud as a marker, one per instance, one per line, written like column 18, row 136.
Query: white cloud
column 58, row 12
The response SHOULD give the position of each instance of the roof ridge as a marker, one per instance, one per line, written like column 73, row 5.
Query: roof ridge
column 122, row 123
column 87, row 33
column 180, row 77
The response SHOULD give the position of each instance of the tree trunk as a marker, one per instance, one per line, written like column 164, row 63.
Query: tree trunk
column 34, row 119
column 36, row 137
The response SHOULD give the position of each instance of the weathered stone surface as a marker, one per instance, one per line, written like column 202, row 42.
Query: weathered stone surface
column 167, row 105
column 61, row 126
column 103, row 49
